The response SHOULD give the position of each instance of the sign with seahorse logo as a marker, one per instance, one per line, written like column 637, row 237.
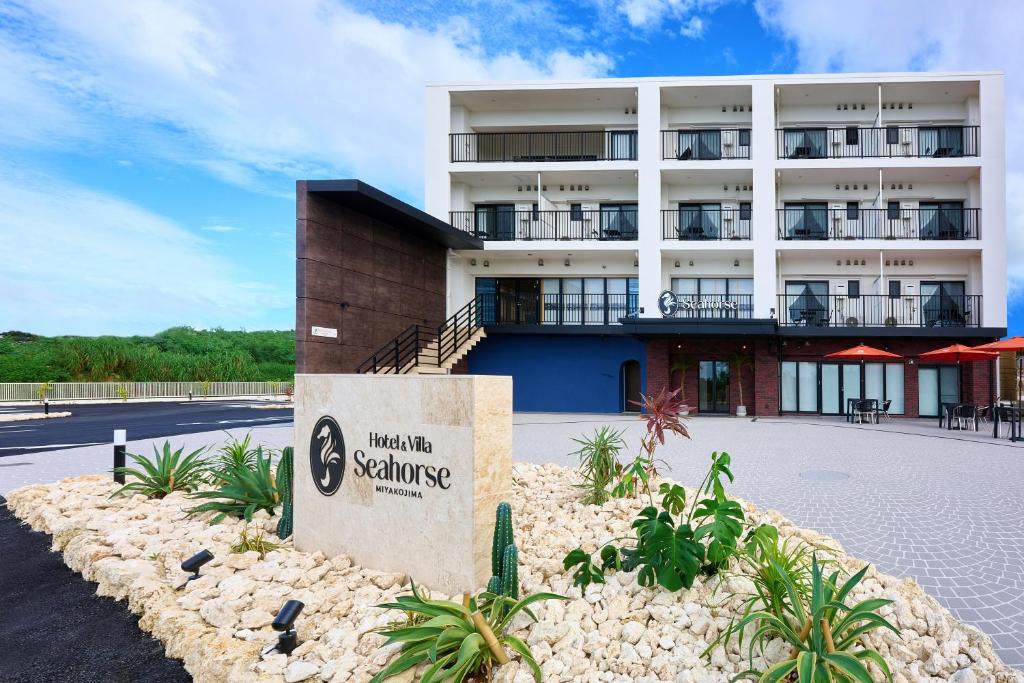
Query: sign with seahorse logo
column 327, row 455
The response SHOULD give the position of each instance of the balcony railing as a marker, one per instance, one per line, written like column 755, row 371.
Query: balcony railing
column 567, row 145
column 820, row 142
column 885, row 224
column 692, row 224
column 715, row 306
column 554, row 309
column 705, row 144
column 505, row 226
column 880, row 310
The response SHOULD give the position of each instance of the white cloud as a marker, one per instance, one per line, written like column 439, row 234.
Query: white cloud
column 259, row 91
column 872, row 35
column 221, row 228
column 650, row 14
column 694, row 28
column 80, row 261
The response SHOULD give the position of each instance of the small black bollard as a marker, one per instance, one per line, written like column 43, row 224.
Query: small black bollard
column 120, row 442
column 46, row 406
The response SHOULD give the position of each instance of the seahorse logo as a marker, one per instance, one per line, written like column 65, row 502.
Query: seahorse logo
column 327, row 455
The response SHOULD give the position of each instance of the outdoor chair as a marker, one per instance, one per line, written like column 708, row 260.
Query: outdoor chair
column 985, row 414
column 965, row 415
column 885, row 410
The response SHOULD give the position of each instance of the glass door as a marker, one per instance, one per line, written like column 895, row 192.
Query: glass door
column 807, row 302
column 805, row 220
column 943, row 304
column 699, row 144
column 804, row 143
column 618, row 221
column 495, row 221
column 713, row 386
column 594, row 301
column 700, row 221
column 941, row 141
column 942, row 220
column 830, row 404
column 937, row 385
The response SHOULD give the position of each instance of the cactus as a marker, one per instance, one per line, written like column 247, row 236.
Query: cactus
column 504, row 555
column 284, row 488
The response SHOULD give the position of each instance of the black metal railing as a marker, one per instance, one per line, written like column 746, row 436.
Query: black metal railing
column 554, row 309
column 886, row 224
column 704, row 224
column 880, row 310
column 714, row 306
column 886, row 141
column 602, row 224
column 705, row 144
column 424, row 345
column 563, row 145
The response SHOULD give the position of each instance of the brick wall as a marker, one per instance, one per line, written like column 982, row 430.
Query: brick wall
column 766, row 377
column 670, row 351
column 657, row 366
column 363, row 277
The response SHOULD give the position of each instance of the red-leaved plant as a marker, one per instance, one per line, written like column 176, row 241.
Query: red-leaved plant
column 662, row 414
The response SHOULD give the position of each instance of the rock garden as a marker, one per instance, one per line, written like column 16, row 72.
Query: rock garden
column 607, row 572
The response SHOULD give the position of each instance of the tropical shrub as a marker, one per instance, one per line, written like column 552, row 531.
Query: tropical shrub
column 235, row 452
column 456, row 640
column 671, row 546
column 824, row 632
column 168, row 471
column 122, row 392
column 599, row 463
column 662, row 415
column 253, row 541
column 242, row 491
column 504, row 555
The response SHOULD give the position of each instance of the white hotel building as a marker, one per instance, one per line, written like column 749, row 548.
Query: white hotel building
column 791, row 216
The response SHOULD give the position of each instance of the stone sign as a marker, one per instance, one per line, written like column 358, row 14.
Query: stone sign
column 403, row 472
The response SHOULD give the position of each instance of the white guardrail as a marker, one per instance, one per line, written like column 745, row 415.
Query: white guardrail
column 84, row 391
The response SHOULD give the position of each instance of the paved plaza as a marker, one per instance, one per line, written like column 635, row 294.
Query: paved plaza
column 945, row 508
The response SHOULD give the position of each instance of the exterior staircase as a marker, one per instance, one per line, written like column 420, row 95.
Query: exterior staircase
column 425, row 350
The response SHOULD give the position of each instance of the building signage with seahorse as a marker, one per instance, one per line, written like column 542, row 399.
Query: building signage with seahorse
column 327, row 455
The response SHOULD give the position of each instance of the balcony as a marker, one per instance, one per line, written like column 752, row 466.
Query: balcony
column 894, row 223
column 506, row 226
column 554, row 309
column 879, row 310
column 688, row 224
column 544, row 146
column 708, row 144
column 821, row 142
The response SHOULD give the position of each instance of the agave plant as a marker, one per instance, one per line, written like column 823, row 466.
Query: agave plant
column 243, row 490
column 168, row 471
column 826, row 634
column 446, row 635
column 235, row 451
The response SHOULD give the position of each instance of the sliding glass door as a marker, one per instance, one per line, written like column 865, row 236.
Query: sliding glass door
column 713, row 386
column 942, row 220
column 805, row 221
column 941, row 141
column 495, row 221
column 944, row 304
column 937, row 385
column 804, row 143
column 700, row 221
column 700, row 144
column 828, row 388
column 807, row 302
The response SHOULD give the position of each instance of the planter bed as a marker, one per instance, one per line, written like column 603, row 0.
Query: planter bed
column 131, row 547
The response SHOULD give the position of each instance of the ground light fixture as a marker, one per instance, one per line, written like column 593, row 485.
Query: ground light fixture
column 120, row 444
column 285, row 623
column 194, row 563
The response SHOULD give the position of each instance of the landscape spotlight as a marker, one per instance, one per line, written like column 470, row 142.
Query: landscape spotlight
column 285, row 622
column 193, row 563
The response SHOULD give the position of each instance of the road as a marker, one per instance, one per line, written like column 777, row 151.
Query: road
column 91, row 424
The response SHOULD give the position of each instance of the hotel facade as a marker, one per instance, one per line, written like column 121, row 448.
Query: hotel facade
column 644, row 233
column 602, row 238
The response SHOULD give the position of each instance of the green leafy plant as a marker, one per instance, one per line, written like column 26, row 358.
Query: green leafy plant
column 253, row 541
column 42, row 390
column 671, row 546
column 823, row 631
column 235, row 452
column 285, row 478
column 681, row 364
column 739, row 362
column 599, row 463
column 504, row 555
column 204, row 388
column 662, row 415
column 243, row 490
column 168, row 471
column 122, row 392
column 453, row 638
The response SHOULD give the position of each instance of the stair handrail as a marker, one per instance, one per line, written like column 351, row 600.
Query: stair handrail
column 463, row 325
column 406, row 350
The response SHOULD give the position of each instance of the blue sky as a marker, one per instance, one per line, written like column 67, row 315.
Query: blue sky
column 148, row 150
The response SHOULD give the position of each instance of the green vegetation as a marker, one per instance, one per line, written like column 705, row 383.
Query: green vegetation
column 285, row 477
column 244, row 489
column 255, row 541
column 504, row 555
column 168, row 471
column 599, row 463
column 453, row 638
column 180, row 354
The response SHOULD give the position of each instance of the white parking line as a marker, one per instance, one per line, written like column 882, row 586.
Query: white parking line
column 51, row 445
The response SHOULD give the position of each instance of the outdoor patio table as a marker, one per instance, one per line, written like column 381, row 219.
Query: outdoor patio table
column 945, row 413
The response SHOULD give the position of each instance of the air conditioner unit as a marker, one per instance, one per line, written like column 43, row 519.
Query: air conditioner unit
column 728, row 138
column 907, row 136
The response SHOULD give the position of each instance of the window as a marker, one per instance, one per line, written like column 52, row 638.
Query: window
column 851, row 135
column 623, row 144
column 536, row 212
column 852, row 211
column 895, row 286
column 892, row 135
column 575, row 212
column 893, row 210
column 744, row 211
column 744, row 137
column 853, row 289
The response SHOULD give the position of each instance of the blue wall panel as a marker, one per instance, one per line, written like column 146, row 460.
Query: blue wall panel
column 559, row 373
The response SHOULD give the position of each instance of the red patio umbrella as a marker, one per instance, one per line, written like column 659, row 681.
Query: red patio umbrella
column 1011, row 344
column 862, row 352
column 955, row 353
